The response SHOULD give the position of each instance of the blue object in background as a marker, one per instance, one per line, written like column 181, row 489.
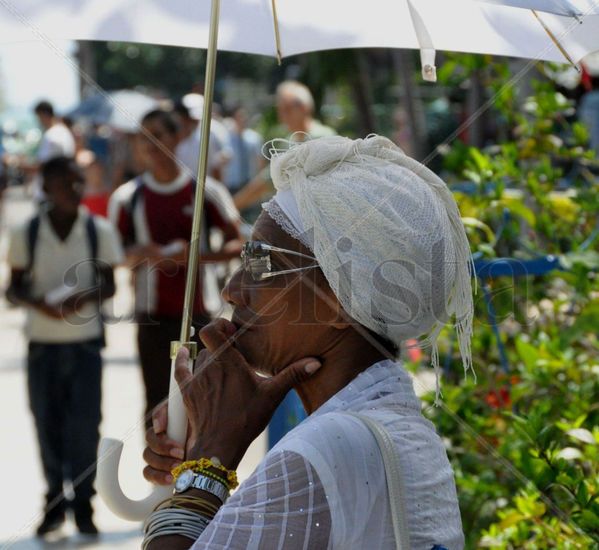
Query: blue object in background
column 287, row 416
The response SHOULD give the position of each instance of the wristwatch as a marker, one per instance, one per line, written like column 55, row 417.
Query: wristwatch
column 188, row 479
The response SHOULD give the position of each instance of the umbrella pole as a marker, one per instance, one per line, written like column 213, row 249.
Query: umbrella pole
column 194, row 251
column 177, row 421
column 110, row 449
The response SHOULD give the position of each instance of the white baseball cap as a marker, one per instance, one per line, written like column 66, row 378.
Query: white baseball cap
column 194, row 104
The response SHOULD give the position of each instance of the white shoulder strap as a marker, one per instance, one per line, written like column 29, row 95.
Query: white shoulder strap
column 394, row 480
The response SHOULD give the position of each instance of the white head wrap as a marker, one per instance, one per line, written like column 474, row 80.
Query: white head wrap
column 386, row 232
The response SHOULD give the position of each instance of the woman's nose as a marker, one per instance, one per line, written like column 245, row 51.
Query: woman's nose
column 232, row 293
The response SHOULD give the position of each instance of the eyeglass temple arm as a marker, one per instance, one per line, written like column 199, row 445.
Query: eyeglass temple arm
column 286, row 271
column 285, row 251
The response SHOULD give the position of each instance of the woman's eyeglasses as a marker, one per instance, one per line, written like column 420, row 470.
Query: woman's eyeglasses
column 256, row 261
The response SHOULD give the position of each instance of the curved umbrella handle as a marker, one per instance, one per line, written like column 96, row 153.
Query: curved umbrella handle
column 107, row 481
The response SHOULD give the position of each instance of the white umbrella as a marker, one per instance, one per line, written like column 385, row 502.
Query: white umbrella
column 570, row 8
column 498, row 27
column 283, row 28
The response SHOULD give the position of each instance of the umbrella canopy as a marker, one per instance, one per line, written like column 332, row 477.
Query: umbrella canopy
column 577, row 8
column 289, row 27
column 122, row 109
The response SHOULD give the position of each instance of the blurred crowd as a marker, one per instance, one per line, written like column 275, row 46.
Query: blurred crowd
column 104, row 136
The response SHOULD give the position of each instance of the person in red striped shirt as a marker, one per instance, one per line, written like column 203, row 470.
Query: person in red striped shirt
column 153, row 214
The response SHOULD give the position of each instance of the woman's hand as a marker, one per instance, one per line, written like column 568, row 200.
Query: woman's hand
column 228, row 405
column 162, row 454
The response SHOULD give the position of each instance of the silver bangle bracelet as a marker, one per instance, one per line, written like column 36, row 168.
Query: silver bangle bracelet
column 173, row 521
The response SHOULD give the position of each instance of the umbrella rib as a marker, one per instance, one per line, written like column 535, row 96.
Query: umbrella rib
column 425, row 43
column 275, row 21
column 555, row 40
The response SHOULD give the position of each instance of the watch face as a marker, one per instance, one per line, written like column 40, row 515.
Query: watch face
column 184, row 481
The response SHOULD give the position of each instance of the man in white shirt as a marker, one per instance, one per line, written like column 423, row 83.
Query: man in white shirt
column 57, row 140
column 190, row 111
column 61, row 264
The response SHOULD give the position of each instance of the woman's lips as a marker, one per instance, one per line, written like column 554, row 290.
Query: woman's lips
column 246, row 319
column 239, row 322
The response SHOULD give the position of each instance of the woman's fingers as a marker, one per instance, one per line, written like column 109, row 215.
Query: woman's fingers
column 217, row 337
column 157, row 477
column 160, row 418
column 279, row 385
column 162, row 445
column 183, row 374
column 159, row 462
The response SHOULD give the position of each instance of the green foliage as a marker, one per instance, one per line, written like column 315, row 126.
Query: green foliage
column 172, row 70
column 525, row 444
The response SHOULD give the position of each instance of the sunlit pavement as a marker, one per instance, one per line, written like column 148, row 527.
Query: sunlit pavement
column 21, row 480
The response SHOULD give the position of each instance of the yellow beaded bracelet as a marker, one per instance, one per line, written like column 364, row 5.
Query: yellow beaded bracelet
column 204, row 464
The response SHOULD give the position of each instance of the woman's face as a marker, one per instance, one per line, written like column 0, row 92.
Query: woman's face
column 284, row 318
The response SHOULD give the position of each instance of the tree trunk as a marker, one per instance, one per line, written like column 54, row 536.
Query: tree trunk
column 87, row 69
column 404, row 65
column 363, row 94
column 476, row 130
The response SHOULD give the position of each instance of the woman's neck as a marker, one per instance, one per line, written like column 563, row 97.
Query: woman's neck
column 350, row 354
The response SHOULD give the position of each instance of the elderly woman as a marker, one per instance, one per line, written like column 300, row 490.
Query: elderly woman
column 361, row 249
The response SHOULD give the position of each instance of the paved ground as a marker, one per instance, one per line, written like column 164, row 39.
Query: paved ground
column 21, row 481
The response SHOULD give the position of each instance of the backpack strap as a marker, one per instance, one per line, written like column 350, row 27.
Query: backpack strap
column 33, row 230
column 92, row 240
column 92, row 237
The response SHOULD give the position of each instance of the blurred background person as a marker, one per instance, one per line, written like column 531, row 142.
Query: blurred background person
column 61, row 263
column 96, row 193
column 588, row 112
column 57, row 140
column 190, row 111
column 295, row 110
column 153, row 214
column 247, row 159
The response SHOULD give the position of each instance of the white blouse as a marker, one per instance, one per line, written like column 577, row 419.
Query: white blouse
column 323, row 485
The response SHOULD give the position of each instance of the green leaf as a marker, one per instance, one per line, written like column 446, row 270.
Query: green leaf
column 546, row 436
column 588, row 520
column 482, row 161
column 583, row 435
column 515, row 206
column 570, row 453
column 582, row 494
column 588, row 259
column 528, row 353
column 477, row 224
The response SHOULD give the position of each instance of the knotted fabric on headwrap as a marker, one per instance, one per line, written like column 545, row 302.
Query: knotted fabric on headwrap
column 386, row 232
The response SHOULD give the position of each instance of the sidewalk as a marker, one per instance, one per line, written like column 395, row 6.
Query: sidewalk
column 21, row 477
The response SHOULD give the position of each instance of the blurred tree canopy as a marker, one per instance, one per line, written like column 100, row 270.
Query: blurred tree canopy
column 362, row 78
